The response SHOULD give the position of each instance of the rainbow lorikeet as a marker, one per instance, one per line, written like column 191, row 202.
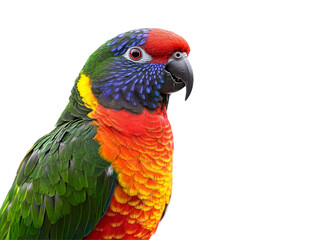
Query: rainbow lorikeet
column 105, row 171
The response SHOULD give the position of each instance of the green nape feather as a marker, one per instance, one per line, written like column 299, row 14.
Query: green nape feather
column 62, row 187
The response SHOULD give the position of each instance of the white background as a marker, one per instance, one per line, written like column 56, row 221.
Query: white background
column 246, row 160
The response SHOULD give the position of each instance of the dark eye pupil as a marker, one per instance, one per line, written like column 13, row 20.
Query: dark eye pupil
column 135, row 53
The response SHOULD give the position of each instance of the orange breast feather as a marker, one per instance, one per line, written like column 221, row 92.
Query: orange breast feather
column 140, row 148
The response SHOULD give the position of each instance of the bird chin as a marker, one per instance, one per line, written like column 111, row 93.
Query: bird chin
column 165, row 100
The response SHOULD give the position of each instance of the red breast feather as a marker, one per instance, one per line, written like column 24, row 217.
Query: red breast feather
column 140, row 149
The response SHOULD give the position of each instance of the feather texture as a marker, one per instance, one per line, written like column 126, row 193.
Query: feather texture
column 140, row 149
column 62, row 188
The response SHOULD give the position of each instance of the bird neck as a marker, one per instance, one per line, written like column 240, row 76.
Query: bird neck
column 127, row 123
column 141, row 140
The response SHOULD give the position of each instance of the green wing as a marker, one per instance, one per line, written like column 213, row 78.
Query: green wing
column 62, row 187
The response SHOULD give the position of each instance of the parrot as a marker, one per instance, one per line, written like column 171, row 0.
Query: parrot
column 105, row 170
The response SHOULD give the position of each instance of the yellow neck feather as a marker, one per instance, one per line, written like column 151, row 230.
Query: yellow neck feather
column 84, row 88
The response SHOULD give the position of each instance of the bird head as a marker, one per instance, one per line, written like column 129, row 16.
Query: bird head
column 134, row 71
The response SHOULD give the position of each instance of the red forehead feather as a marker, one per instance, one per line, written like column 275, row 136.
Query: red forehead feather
column 161, row 44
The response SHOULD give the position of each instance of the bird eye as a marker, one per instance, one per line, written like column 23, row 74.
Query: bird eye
column 135, row 54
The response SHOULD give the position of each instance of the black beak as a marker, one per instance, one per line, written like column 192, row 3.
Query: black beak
column 178, row 73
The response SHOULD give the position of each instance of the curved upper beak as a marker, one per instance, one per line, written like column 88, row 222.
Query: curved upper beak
column 177, row 74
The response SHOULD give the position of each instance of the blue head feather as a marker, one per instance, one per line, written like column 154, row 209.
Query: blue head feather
column 119, row 83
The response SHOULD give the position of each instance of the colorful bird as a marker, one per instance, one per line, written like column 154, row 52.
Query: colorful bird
column 105, row 171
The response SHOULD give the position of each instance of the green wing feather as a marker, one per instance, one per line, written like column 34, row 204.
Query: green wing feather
column 62, row 187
